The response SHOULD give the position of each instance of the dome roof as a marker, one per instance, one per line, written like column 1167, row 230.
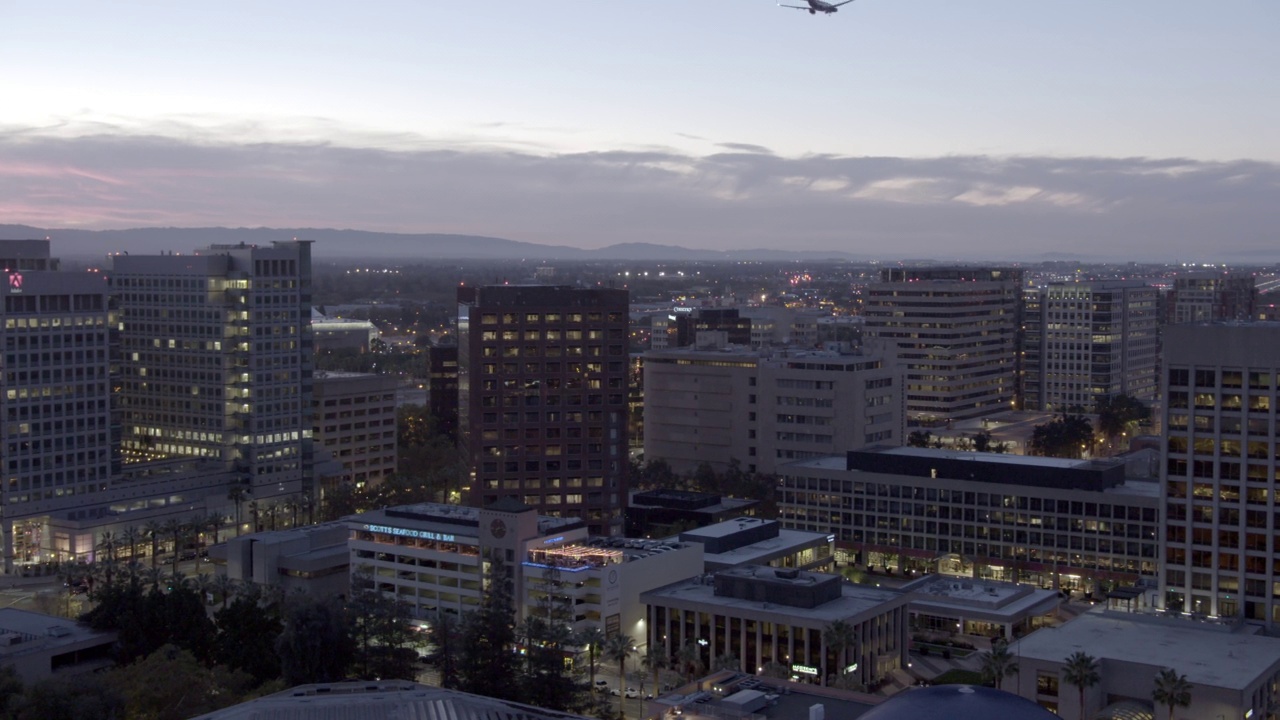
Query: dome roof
column 957, row 702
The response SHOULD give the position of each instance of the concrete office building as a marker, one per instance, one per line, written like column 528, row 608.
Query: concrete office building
column 57, row 439
column 216, row 361
column 381, row 700
column 659, row 513
column 765, row 543
column 313, row 559
column 987, row 608
column 1048, row 521
column 542, row 398
column 39, row 647
column 433, row 557
column 1231, row 672
column 1094, row 340
column 767, row 408
column 956, row 331
column 1209, row 297
column 1222, row 471
column 775, row 617
column 354, row 418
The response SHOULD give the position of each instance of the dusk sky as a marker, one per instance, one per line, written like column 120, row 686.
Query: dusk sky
column 1141, row 129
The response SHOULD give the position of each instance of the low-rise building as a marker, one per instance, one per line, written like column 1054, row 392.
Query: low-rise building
column 1232, row 673
column 368, row 700
column 756, row 541
column 956, row 606
column 39, row 646
column 659, row 513
column 313, row 559
column 1048, row 521
column 776, row 619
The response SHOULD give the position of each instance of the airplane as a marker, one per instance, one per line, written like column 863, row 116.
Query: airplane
column 818, row 6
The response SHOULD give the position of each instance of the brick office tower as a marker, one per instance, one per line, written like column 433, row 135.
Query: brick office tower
column 542, row 392
column 1222, row 469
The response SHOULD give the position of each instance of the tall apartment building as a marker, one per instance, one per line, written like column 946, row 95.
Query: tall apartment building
column 215, row 361
column 56, row 442
column 1222, row 470
column 542, row 398
column 1031, row 351
column 765, row 409
column 354, row 418
column 1206, row 297
column 1091, row 340
column 956, row 332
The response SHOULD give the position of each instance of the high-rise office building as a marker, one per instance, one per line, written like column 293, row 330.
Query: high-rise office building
column 216, row 361
column 765, row 409
column 1222, row 471
column 1206, row 297
column 56, row 442
column 1092, row 340
column 956, row 332
column 542, row 398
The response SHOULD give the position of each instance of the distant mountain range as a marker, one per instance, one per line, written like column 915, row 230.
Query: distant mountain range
column 355, row 244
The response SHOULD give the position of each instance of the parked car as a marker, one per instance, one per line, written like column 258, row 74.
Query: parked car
column 632, row 693
column 601, row 686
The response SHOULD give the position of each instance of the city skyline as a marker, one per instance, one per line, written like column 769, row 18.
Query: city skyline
column 936, row 129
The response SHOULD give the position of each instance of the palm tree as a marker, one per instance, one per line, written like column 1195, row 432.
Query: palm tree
column 131, row 535
column 224, row 586
column 154, row 576
column 1081, row 670
column 655, row 661
column 213, row 522
column 203, row 583
column 1172, row 690
column 689, row 659
column 620, row 647
column 237, row 494
column 839, row 636
column 997, row 664
column 593, row 640
column 174, row 529
column 108, row 544
column 153, row 530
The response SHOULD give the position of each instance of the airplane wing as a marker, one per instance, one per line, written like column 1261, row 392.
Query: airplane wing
column 846, row 2
column 801, row 7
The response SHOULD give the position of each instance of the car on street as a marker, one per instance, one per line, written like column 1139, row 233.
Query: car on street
column 632, row 693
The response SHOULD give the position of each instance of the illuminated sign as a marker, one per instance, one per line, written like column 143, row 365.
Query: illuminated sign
column 15, row 281
column 406, row 532
column 682, row 309
column 831, row 538
column 804, row 669
column 557, row 539
column 851, row 668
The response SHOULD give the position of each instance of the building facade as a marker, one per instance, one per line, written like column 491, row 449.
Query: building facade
column 764, row 409
column 216, row 361
column 1057, row 523
column 956, row 332
column 1222, row 471
column 1210, row 297
column 354, row 418
column 775, row 618
column 542, row 398
column 58, row 440
column 1095, row 340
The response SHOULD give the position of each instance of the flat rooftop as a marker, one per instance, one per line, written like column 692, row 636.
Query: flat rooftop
column 854, row 600
column 757, row 553
column 993, row 598
column 1006, row 458
column 1212, row 655
column 379, row 701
